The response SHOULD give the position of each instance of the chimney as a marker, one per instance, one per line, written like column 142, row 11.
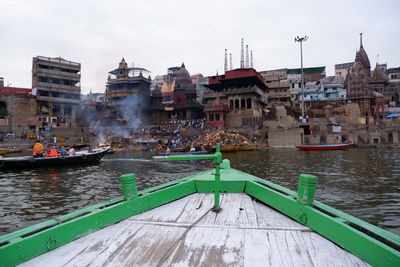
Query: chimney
column 251, row 59
column 247, row 56
column 226, row 61
column 242, row 56
column 230, row 61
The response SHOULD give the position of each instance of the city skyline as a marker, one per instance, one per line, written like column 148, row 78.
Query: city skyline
column 159, row 35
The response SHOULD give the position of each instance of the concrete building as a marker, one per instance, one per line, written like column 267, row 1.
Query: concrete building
column 278, row 87
column 57, row 82
column 342, row 69
column 128, row 95
column 17, row 110
column 393, row 75
column 329, row 89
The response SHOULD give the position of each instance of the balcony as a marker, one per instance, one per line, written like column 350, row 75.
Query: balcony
column 221, row 107
column 58, row 100
column 61, row 88
column 58, row 74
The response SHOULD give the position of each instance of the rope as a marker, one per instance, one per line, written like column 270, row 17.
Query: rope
column 171, row 249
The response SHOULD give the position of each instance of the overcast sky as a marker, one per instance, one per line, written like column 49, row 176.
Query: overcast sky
column 159, row 34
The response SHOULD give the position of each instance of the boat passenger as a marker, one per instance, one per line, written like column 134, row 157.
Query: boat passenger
column 48, row 150
column 37, row 149
column 53, row 152
column 71, row 152
column 62, row 151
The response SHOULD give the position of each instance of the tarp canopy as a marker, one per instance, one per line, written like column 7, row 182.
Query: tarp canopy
column 393, row 115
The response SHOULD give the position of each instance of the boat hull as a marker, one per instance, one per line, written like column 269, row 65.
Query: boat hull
column 31, row 162
column 247, row 148
column 323, row 147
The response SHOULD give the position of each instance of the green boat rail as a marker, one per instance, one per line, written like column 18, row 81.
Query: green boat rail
column 370, row 243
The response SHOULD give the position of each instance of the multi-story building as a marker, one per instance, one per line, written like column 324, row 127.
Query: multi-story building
column 128, row 94
column 329, row 89
column 278, row 86
column 342, row 69
column 17, row 110
column 57, row 82
column 393, row 75
column 237, row 99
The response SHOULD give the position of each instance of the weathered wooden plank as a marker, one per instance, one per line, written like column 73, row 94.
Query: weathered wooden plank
column 187, row 233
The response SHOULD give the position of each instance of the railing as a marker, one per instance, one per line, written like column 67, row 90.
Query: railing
column 58, row 61
column 217, row 157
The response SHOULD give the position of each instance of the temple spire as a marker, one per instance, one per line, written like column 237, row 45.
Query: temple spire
column 242, row 56
column 226, row 61
column 230, row 61
column 361, row 45
column 247, row 56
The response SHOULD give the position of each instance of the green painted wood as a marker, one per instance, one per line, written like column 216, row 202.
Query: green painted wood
column 374, row 245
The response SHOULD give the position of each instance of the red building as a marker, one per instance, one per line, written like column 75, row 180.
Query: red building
column 237, row 99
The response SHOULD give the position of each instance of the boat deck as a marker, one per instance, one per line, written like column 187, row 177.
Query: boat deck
column 186, row 233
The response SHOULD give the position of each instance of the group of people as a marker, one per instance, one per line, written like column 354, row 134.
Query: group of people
column 51, row 151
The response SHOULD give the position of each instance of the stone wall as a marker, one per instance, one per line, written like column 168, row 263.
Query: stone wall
column 285, row 138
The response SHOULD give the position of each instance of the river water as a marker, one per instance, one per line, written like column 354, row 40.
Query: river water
column 362, row 182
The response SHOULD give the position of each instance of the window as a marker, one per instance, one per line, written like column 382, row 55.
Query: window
column 211, row 117
column 231, row 104
column 216, row 117
column 237, row 104
column 249, row 103
column 243, row 103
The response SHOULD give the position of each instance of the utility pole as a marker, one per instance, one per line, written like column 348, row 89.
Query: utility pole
column 301, row 40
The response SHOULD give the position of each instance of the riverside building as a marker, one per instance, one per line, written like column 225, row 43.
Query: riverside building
column 57, row 83
column 128, row 94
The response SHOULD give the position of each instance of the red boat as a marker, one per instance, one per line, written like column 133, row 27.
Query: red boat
column 322, row 147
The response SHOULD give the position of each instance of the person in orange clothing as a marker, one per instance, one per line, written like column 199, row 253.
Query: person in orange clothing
column 53, row 152
column 37, row 149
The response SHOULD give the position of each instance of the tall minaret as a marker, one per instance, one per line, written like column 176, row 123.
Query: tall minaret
column 251, row 58
column 247, row 56
column 242, row 56
column 226, row 60
column 230, row 61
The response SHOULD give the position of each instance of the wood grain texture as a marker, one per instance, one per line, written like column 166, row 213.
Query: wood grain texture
column 186, row 233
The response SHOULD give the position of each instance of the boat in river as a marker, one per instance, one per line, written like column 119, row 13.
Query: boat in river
column 219, row 217
column 247, row 148
column 184, row 153
column 4, row 151
column 81, row 157
column 323, row 147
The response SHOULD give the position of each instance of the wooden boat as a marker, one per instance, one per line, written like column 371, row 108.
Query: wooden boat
column 4, row 151
column 229, row 148
column 84, row 156
column 184, row 153
column 189, row 222
column 247, row 147
column 323, row 147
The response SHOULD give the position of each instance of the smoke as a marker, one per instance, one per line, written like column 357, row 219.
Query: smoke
column 120, row 120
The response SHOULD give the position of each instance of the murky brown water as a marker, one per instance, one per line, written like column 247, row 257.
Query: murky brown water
column 362, row 182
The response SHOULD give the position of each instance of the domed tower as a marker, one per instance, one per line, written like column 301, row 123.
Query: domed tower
column 183, row 80
column 122, row 69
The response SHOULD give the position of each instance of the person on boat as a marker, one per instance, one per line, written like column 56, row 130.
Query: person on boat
column 62, row 151
column 71, row 152
column 53, row 152
column 37, row 149
column 168, row 151
column 48, row 150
